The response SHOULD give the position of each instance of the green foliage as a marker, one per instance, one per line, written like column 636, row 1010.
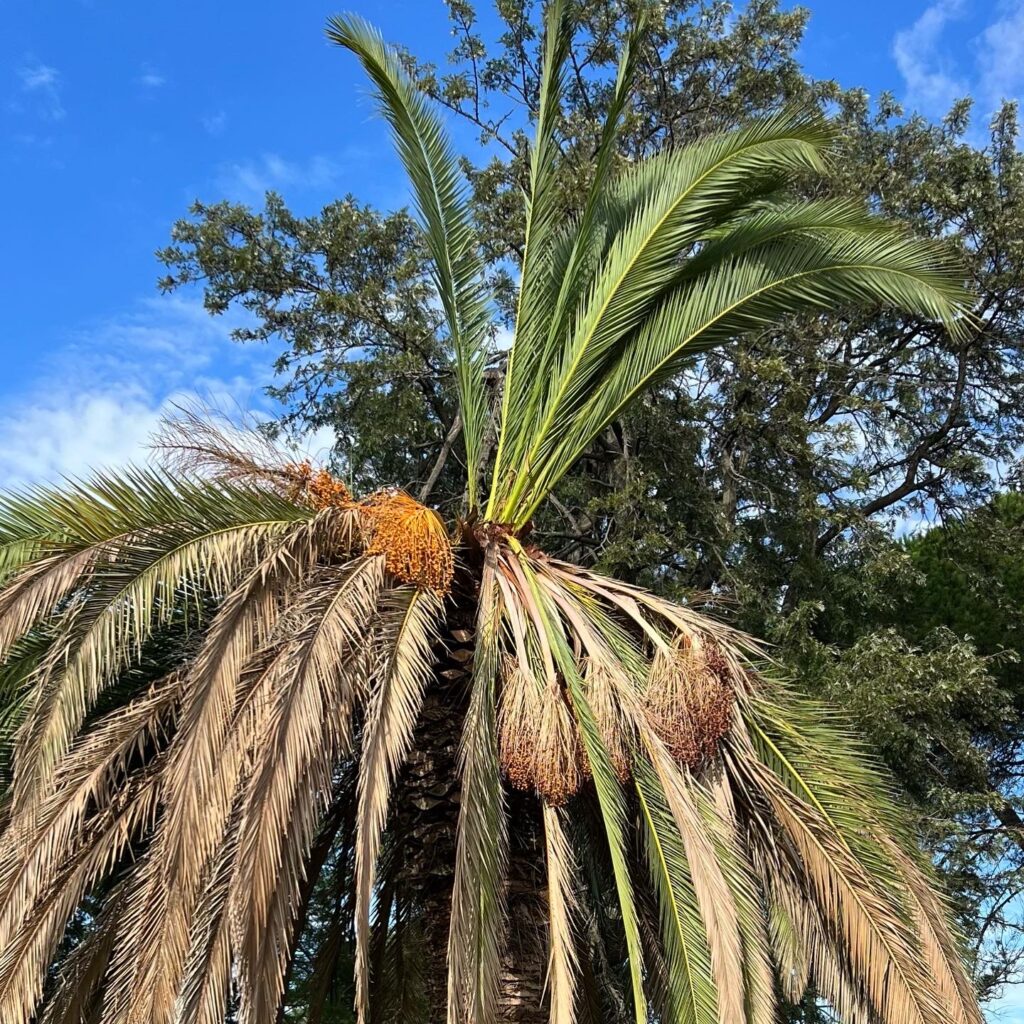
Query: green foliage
column 347, row 293
column 775, row 473
column 920, row 645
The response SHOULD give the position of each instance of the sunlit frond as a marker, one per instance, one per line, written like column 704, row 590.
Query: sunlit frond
column 477, row 921
column 439, row 191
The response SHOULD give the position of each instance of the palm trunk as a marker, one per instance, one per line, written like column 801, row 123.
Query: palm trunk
column 522, row 999
column 427, row 810
column 427, row 801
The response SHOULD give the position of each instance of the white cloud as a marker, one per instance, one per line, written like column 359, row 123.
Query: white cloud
column 1000, row 54
column 47, row 441
column 151, row 78
column 991, row 70
column 251, row 178
column 40, row 90
column 929, row 75
column 503, row 338
column 214, row 124
column 100, row 397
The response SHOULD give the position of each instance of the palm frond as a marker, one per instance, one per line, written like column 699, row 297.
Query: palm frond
column 563, row 961
column 33, row 847
column 543, row 212
column 205, row 990
column 439, row 191
column 477, row 914
column 692, row 995
column 409, row 626
column 208, row 761
column 856, row 895
column 151, row 580
column 78, row 996
column 307, row 730
column 706, row 233
column 25, row 956
column 606, row 784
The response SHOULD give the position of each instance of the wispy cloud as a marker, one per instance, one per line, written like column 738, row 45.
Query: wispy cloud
column 150, row 78
column 101, row 396
column 215, row 123
column 931, row 80
column 1000, row 54
column 990, row 68
column 40, row 90
column 250, row 179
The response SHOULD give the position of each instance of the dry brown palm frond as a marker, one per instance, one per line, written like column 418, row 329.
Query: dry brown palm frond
column 108, row 627
column 34, row 593
column 204, row 770
column 409, row 623
column 25, row 958
column 477, row 930
column 34, row 846
column 941, row 948
column 563, row 958
column 608, row 660
column 78, row 996
column 806, row 939
column 720, row 814
column 803, row 948
column 714, row 895
column 872, row 940
column 306, row 732
column 198, row 440
column 817, row 816
column 207, row 977
column 200, row 914
column 658, row 618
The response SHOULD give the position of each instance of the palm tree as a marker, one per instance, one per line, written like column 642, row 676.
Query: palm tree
column 545, row 794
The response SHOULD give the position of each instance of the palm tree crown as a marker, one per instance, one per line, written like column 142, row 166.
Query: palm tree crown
column 547, row 794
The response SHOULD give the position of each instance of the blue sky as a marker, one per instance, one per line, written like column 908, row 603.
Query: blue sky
column 115, row 114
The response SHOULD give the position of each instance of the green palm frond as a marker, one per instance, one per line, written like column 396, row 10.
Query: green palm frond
column 439, row 191
column 708, row 249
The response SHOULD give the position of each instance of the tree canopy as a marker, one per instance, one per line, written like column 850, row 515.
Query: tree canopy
column 776, row 473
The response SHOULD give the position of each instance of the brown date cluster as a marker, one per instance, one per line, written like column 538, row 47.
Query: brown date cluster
column 411, row 537
column 688, row 703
